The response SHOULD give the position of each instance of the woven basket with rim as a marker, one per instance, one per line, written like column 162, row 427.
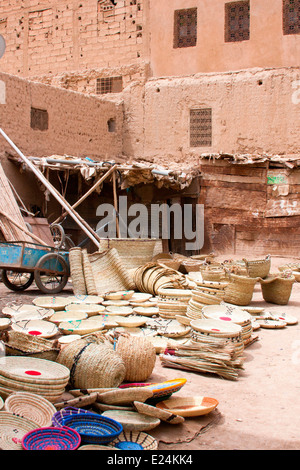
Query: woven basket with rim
column 20, row 344
column 88, row 274
column 76, row 271
column 240, row 289
column 277, row 289
column 32, row 406
column 12, row 430
column 258, row 268
column 139, row 356
column 131, row 440
column 92, row 364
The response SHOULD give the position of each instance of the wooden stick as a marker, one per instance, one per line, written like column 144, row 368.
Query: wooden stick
column 34, row 237
column 90, row 191
column 116, row 204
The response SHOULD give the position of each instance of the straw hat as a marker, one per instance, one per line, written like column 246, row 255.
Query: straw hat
column 32, row 406
column 139, row 357
column 133, row 421
column 12, row 429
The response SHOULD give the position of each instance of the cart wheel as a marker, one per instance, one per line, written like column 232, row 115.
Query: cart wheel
column 58, row 235
column 67, row 244
column 51, row 273
column 17, row 281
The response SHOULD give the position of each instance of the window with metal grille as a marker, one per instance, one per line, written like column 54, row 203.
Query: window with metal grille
column 185, row 28
column 291, row 16
column 39, row 119
column 237, row 21
column 109, row 85
column 201, row 127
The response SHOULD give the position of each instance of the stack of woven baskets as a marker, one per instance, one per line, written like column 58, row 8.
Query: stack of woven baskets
column 206, row 293
column 151, row 277
column 172, row 302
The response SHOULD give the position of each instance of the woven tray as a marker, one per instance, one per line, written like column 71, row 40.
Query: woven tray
column 28, row 369
column 12, row 430
column 189, row 406
column 133, row 421
column 40, row 328
column 32, row 406
column 125, row 396
column 49, row 302
column 163, row 415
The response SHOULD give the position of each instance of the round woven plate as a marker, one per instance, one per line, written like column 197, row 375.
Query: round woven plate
column 137, row 331
column 120, row 295
column 133, row 421
column 169, row 328
column 134, row 441
column 131, row 321
column 188, row 406
column 125, row 396
column 63, row 316
column 163, row 415
column 117, row 303
column 116, row 310
column 80, row 327
column 41, row 328
column 140, row 297
column 217, row 327
column 55, row 303
column 146, row 304
column 12, row 430
column 4, row 323
column 34, row 315
column 285, row 317
column 107, row 321
column 85, row 299
column 50, row 438
column 146, row 311
column 225, row 313
column 31, row 406
column 89, row 309
column 29, row 369
column 165, row 388
column 68, row 339
column 268, row 323
column 14, row 310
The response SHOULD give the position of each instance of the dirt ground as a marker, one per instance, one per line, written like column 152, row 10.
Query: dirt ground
column 259, row 411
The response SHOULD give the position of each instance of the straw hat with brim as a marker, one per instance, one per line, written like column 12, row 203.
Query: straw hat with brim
column 80, row 327
column 32, row 406
column 12, row 429
column 133, row 421
column 139, row 357
column 55, row 303
column 92, row 364
column 189, row 406
column 125, row 396
column 134, row 441
column 163, row 415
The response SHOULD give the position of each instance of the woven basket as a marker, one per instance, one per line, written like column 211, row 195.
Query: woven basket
column 92, row 364
column 240, row 289
column 76, row 271
column 12, row 430
column 258, row 268
column 277, row 289
column 125, row 396
column 58, row 416
column 50, row 438
column 163, row 415
column 93, row 428
column 88, row 274
column 20, row 344
column 110, row 275
column 32, row 406
column 131, row 440
column 133, row 421
column 139, row 357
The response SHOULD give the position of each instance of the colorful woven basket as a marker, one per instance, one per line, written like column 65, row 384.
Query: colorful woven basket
column 51, row 438
column 58, row 417
column 93, row 428
column 131, row 440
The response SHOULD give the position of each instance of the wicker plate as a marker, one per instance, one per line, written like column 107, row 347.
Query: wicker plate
column 146, row 311
column 80, row 327
column 226, row 313
column 15, row 310
column 89, row 309
column 285, row 317
column 268, row 323
column 85, row 299
column 31, row 406
column 12, row 430
column 116, row 310
column 68, row 339
column 216, row 327
column 131, row 322
column 132, row 421
column 50, row 438
column 163, row 415
column 169, row 328
column 120, row 295
column 107, row 321
column 140, row 297
column 137, row 331
column 54, row 303
column 41, row 328
column 32, row 370
column 188, row 406
column 134, row 441
column 63, row 316
column 117, row 303
column 125, row 396
column 165, row 388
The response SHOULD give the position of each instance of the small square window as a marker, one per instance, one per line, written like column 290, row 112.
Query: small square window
column 109, row 85
column 39, row 119
column 185, row 28
column 201, row 127
column 291, row 16
column 237, row 21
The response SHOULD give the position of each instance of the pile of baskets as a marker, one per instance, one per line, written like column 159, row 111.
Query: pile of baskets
column 208, row 293
column 151, row 277
column 173, row 302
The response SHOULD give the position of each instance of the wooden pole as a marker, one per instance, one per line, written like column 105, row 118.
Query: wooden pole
column 82, row 224
column 90, row 191
column 34, row 237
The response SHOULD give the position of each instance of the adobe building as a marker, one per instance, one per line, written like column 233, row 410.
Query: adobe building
column 209, row 85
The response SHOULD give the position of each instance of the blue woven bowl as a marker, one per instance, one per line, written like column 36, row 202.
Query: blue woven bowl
column 57, row 418
column 94, row 428
column 51, row 438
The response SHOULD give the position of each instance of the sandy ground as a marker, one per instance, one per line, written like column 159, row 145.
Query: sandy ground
column 259, row 411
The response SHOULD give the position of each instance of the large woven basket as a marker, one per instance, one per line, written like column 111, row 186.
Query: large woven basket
column 76, row 271
column 277, row 289
column 88, row 274
column 92, row 364
column 139, row 356
column 32, row 406
column 21, row 344
column 239, row 290
column 258, row 268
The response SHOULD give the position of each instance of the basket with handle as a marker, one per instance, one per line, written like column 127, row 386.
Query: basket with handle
column 277, row 289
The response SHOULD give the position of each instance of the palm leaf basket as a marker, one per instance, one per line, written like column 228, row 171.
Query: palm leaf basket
column 21, row 344
column 239, row 290
column 76, row 271
column 258, row 268
column 277, row 289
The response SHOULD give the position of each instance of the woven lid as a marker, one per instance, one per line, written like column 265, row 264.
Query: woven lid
column 32, row 406
column 133, row 421
column 40, row 328
column 163, row 415
column 12, row 430
column 29, row 369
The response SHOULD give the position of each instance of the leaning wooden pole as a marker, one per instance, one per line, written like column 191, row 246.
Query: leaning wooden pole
column 89, row 232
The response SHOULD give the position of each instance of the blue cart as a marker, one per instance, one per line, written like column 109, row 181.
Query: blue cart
column 23, row 262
